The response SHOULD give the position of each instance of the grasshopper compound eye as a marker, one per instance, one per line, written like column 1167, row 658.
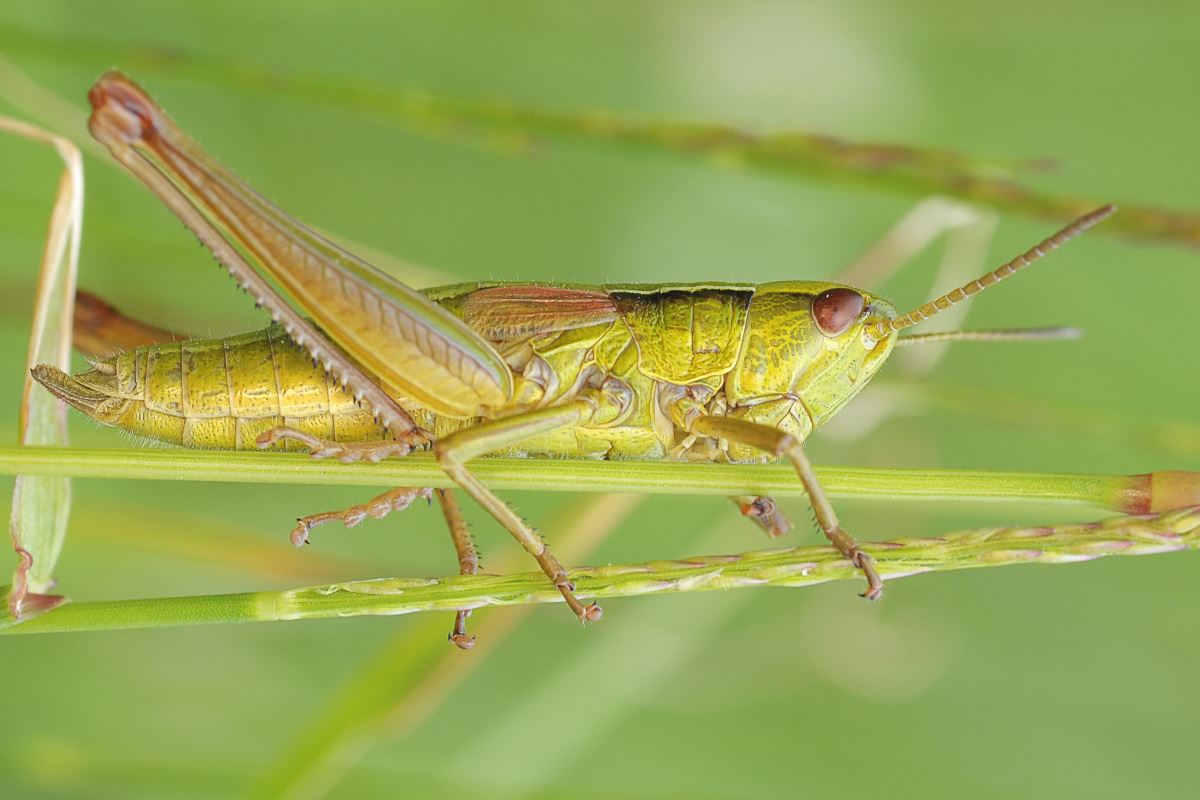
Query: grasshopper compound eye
column 836, row 310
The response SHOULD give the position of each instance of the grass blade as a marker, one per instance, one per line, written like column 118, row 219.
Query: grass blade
column 914, row 171
column 41, row 504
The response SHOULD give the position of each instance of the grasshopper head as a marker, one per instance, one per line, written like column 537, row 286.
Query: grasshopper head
column 806, row 345
column 849, row 333
column 846, row 357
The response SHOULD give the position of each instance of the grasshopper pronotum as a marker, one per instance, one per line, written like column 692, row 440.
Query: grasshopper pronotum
column 712, row 371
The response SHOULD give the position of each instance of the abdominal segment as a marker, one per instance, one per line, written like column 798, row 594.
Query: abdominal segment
column 215, row 393
column 225, row 393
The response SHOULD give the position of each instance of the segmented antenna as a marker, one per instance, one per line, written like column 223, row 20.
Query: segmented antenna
column 1014, row 335
column 882, row 329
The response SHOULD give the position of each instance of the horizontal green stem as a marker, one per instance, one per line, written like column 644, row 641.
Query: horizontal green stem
column 797, row 566
column 653, row 477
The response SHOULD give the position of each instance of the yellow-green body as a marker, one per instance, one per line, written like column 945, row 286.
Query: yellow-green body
column 751, row 352
column 699, row 371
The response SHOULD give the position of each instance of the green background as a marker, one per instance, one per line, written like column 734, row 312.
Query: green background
column 1078, row 681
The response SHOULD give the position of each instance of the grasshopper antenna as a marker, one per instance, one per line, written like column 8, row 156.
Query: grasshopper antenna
column 1014, row 335
column 882, row 330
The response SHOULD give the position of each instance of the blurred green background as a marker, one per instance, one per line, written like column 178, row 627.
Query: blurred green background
column 1076, row 681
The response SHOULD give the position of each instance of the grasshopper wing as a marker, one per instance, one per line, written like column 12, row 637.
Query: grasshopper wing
column 392, row 330
column 511, row 311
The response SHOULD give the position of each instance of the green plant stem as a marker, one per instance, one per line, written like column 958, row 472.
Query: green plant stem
column 655, row 477
column 798, row 566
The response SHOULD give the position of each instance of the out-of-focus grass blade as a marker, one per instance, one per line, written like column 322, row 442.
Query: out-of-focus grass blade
column 41, row 504
column 908, row 170
column 591, row 682
column 200, row 541
column 412, row 676
column 1175, row 437
column 900, row 169
column 63, row 114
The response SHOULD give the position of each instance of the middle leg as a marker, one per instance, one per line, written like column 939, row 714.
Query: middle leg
column 455, row 450
column 376, row 508
column 763, row 512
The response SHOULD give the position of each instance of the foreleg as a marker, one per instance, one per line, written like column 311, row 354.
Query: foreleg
column 785, row 445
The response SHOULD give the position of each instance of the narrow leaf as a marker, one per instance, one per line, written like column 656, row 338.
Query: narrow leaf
column 41, row 504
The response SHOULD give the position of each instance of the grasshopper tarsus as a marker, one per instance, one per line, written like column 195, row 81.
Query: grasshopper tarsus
column 299, row 534
column 846, row 544
column 872, row 595
column 589, row 613
column 765, row 513
column 462, row 641
column 458, row 635
column 592, row 613
column 866, row 564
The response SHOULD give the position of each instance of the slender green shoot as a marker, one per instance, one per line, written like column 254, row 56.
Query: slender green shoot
column 1169, row 531
column 1130, row 493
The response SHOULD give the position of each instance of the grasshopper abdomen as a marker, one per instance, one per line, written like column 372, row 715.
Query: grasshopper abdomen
column 215, row 393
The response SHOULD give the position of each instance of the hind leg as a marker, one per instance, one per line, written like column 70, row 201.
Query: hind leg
column 398, row 500
column 468, row 560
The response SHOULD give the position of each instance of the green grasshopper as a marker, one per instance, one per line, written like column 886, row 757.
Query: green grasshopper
column 707, row 371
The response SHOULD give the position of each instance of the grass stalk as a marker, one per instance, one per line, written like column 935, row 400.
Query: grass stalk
column 791, row 567
column 1131, row 493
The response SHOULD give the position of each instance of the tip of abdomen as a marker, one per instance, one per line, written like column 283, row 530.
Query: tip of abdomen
column 87, row 398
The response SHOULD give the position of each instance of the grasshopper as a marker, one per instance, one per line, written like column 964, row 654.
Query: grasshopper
column 703, row 371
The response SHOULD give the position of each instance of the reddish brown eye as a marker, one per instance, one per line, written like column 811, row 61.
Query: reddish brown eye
column 835, row 310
